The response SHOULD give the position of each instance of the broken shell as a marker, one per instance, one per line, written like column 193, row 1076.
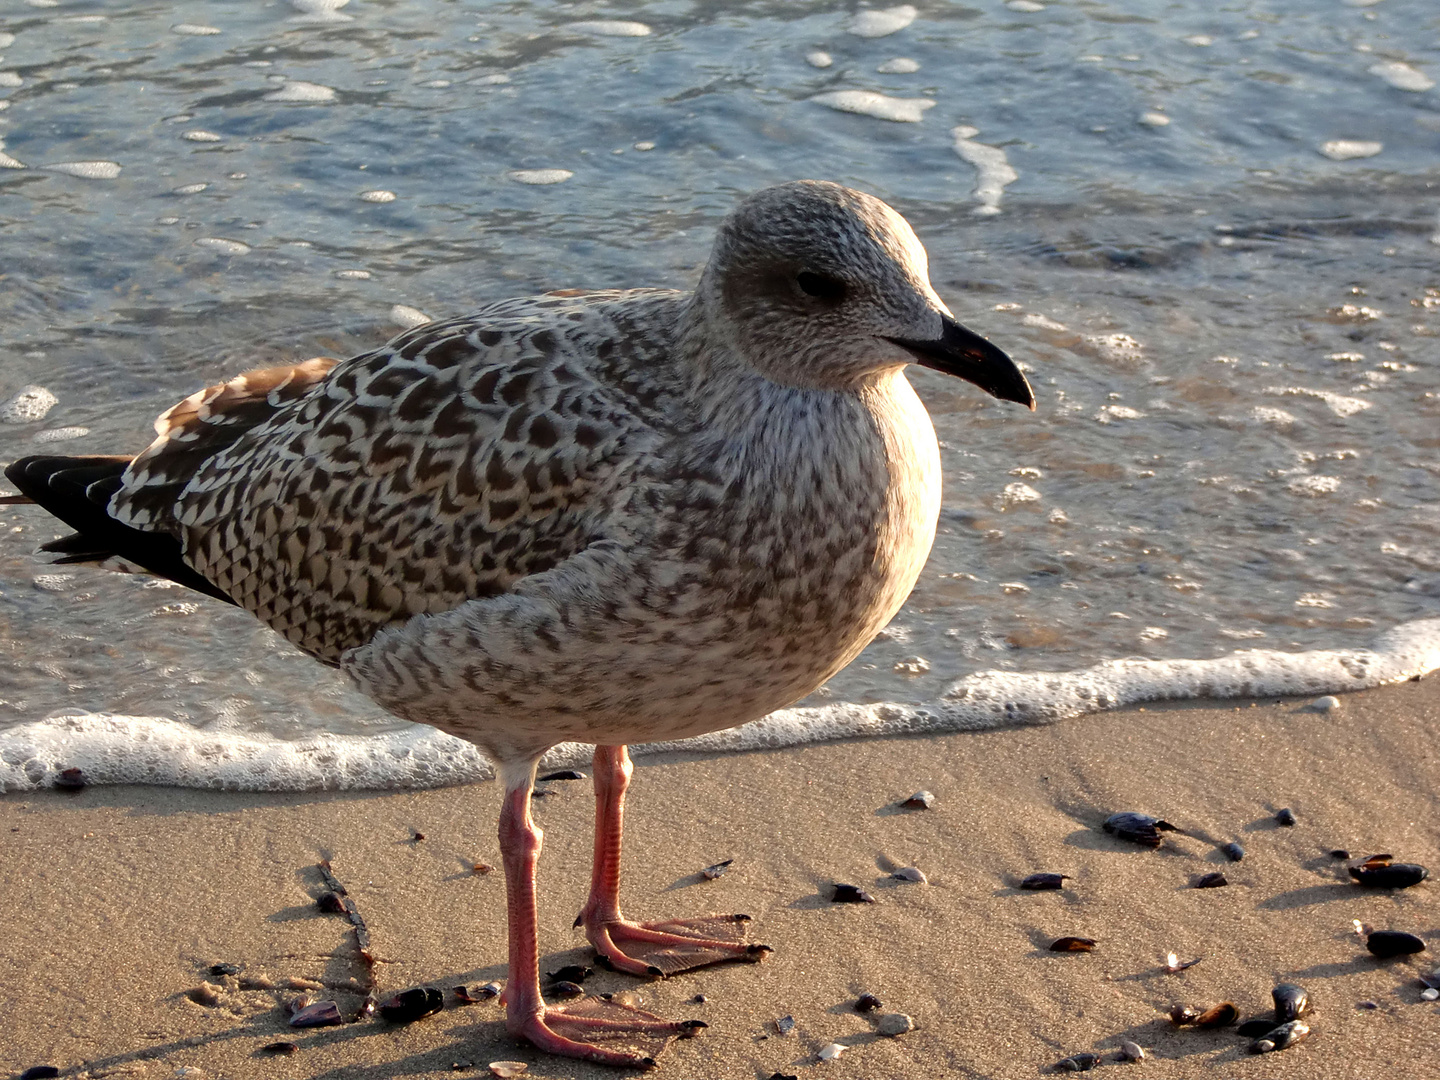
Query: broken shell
column 1282, row 1037
column 785, row 1025
column 830, row 1051
column 330, row 903
column 280, row 1048
column 1072, row 944
column 910, row 873
column 320, row 1014
column 71, row 780
column 1137, row 828
column 1430, row 994
column 1388, row 943
column 564, row 989
column 1180, row 1015
column 508, row 1070
column 1218, row 1016
column 1234, row 852
column 1432, row 981
column 1038, row 882
column 850, row 894
column 1173, row 964
column 410, row 1005
column 1398, row 875
column 714, row 870
column 1131, row 1051
column 561, row 774
column 1077, row 1063
column 1285, row 816
column 868, row 1003
column 1339, row 853
column 1215, row 880
column 921, row 800
column 226, row 969
column 473, row 995
column 1291, row 1002
column 575, row 973
column 893, row 1024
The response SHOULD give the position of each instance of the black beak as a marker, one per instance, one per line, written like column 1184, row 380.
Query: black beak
column 960, row 352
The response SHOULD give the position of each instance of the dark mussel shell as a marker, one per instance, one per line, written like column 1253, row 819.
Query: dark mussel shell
column 1215, row 880
column 39, row 1072
column 1388, row 943
column 851, row 894
column 1285, row 816
column 1180, row 1015
column 1077, row 1063
column 575, row 973
column 1218, row 1016
column 283, row 1048
column 1281, row 1038
column 868, row 1003
column 1400, row 875
column 1137, row 828
column 410, row 1005
column 1234, row 852
column 565, row 989
column 1291, row 1002
column 330, row 903
column 71, row 780
column 1072, row 944
column 561, row 774
column 472, row 995
column 1045, row 881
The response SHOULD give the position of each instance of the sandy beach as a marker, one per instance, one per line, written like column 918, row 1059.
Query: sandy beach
column 117, row 901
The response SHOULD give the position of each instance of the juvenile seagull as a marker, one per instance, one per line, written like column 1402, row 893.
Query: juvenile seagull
column 610, row 517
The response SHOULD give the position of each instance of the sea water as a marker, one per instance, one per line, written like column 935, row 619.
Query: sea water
column 1210, row 234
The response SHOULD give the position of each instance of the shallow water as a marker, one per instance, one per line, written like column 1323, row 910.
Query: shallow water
column 1232, row 326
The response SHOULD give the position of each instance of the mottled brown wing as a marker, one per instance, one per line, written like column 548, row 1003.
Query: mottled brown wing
column 444, row 467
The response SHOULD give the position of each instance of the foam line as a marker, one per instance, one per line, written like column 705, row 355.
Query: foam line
column 153, row 750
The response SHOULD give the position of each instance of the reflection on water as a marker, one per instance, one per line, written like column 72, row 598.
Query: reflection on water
column 1210, row 235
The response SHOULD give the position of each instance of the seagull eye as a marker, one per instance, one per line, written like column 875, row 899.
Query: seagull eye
column 821, row 286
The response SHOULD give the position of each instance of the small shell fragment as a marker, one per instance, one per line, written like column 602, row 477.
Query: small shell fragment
column 1174, row 965
column 1038, row 882
column 1325, row 704
column 1216, row 880
column 1077, row 1063
column 330, row 903
column 565, row 989
column 320, row 1014
column 1430, row 994
column 714, row 870
column 893, row 1024
column 1388, row 943
column 561, row 774
column 1072, row 944
column 1218, row 1016
column 830, row 1051
column 921, row 800
column 1180, row 1015
column 851, row 894
column 1131, row 1051
column 1283, row 1037
column 868, row 1003
column 1234, row 852
column 280, row 1048
column 575, row 973
column 1137, row 828
column 911, row 873
column 472, row 995
column 1285, row 816
column 785, row 1025
column 411, row 1005
column 507, row 1070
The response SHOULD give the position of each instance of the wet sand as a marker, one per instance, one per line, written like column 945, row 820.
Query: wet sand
column 117, row 900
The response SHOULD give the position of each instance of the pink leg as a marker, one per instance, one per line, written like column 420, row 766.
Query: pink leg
column 630, row 1037
column 655, row 948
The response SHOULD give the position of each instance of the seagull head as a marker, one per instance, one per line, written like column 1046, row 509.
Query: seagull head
column 816, row 285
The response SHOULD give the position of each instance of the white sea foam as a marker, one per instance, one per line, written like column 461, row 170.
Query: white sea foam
column 29, row 404
column 541, row 176
column 880, row 106
column 154, row 750
column 8, row 162
column 194, row 30
column 59, row 434
column 87, row 170
column 1402, row 76
column 873, row 24
column 377, row 196
column 200, row 136
column 222, row 245
column 901, row 65
column 609, row 28
column 993, row 172
column 407, row 316
column 819, row 59
column 299, row 92
column 1348, row 149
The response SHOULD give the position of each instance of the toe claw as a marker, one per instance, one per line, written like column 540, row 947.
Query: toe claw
column 655, row 971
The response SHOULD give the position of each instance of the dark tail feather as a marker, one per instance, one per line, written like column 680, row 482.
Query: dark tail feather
column 78, row 490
